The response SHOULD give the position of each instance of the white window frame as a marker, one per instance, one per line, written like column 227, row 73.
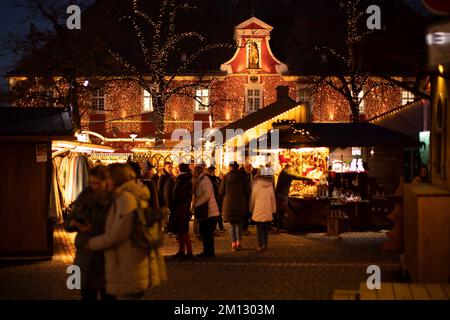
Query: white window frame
column 147, row 101
column 362, row 105
column 97, row 98
column 303, row 95
column 202, row 100
column 250, row 107
column 49, row 98
column 407, row 97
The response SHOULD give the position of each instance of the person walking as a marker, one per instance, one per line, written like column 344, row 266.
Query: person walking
column 215, row 180
column 87, row 218
column 204, row 194
column 263, row 206
column 235, row 191
column 165, row 176
column 163, row 179
column 180, row 211
column 247, row 170
column 127, row 267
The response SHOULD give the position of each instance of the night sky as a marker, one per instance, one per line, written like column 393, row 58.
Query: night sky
column 12, row 20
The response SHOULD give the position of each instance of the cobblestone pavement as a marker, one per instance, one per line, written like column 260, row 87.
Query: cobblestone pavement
column 294, row 267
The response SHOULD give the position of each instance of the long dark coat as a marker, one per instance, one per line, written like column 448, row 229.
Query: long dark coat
column 235, row 192
column 90, row 208
column 180, row 205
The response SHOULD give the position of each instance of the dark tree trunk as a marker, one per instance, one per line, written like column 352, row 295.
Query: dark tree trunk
column 73, row 103
column 159, row 108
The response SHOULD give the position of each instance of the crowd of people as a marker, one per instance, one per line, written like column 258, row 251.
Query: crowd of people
column 102, row 216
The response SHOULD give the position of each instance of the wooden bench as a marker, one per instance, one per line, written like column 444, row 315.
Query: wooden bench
column 397, row 291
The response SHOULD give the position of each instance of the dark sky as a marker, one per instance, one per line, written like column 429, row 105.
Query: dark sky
column 11, row 21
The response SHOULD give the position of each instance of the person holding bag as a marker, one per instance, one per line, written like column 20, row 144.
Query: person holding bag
column 206, row 210
column 128, row 268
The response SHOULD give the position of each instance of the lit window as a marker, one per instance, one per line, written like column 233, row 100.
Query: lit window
column 362, row 108
column 98, row 100
column 49, row 99
column 147, row 105
column 202, row 100
column 407, row 97
column 304, row 96
column 253, row 99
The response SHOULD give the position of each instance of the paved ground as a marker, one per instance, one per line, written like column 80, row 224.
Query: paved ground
column 294, row 267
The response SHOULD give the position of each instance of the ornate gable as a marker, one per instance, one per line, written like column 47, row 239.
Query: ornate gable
column 253, row 53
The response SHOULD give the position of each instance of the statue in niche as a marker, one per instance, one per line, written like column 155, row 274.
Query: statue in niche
column 253, row 56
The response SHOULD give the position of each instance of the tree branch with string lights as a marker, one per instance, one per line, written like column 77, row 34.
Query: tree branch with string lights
column 351, row 82
column 158, row 42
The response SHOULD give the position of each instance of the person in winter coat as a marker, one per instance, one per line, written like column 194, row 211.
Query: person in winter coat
column 204, row 193
column 284, row 182
column 87, row 218
column 263, row 205
column 180, row 211
column 165, row 178
column 235, row 192
column 215, row 180
column 127, row 267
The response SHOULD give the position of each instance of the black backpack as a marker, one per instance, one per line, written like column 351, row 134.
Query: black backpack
column 147, row 231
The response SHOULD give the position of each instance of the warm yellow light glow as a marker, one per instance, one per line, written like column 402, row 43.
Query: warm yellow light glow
column 320, row 149
column 81, row 147
column 441, row 68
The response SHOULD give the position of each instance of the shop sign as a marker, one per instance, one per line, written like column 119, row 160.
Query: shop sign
column 438, row 42
column 41, row 153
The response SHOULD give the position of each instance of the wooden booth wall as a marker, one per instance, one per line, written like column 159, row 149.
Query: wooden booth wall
column 386, row 166
column 25, row 229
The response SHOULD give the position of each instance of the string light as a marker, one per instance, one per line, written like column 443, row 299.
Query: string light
column 156, row 53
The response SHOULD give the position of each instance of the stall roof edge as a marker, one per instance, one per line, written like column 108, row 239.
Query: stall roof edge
column 346, row 135
column 31, row 121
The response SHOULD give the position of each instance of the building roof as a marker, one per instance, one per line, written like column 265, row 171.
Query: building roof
column 299, row 27
column 262, row 115
column 35, row 122
column 409, row 119
column 341, row 135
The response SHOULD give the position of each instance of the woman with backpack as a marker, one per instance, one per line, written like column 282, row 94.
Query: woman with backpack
column 127, row 267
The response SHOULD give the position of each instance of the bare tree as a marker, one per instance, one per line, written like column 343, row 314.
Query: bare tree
column 55, row 58
column 159, row 41
column 352, row 82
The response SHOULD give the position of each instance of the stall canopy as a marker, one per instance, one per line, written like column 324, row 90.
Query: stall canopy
column 295, row 135
column 23, row 121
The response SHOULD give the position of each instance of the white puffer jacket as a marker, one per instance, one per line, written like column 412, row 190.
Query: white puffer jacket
column 262, row 201
column 204, row 192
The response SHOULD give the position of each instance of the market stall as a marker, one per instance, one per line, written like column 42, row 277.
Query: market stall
column 71, row 160
column 348, row 188
column 26, row 135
